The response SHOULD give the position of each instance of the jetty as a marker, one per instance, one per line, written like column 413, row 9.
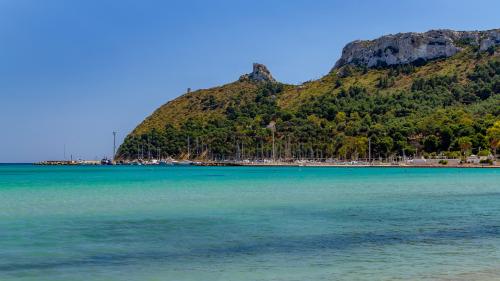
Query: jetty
column 68, row 162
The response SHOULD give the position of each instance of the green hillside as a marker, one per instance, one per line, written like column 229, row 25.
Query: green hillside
column 441, row 106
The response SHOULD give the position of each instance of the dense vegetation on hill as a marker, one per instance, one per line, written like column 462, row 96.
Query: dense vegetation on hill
column 445, row 106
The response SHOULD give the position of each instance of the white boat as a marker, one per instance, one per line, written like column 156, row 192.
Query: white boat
column 167, row 162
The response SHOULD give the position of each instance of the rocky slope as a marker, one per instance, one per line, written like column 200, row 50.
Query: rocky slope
column 432, row 92
column 403, row 48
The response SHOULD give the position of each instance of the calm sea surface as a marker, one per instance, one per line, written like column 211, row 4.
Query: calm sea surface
column 241, row 223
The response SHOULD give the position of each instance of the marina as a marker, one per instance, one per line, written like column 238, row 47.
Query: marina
column 432, row 163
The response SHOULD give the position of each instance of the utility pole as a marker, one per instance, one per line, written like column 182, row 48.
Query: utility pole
column 114, row 145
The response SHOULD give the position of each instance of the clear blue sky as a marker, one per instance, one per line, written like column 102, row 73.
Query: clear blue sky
column 71, row 72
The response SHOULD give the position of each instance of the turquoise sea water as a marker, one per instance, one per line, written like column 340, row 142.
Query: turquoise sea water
column 241, row 223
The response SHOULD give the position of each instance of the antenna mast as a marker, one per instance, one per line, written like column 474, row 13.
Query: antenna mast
column 114, row 145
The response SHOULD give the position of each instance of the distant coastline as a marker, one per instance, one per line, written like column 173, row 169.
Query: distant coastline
column 347, row 164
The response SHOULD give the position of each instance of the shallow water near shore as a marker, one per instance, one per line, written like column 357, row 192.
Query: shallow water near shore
column 248, row 223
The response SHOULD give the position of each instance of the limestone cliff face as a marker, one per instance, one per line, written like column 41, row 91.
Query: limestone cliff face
column 405, row 48
column 260, row 73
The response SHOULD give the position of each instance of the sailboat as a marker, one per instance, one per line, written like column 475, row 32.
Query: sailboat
column 167, row 162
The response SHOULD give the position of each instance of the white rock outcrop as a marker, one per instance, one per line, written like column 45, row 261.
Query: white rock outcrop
column 403, row 48
column 260, row 73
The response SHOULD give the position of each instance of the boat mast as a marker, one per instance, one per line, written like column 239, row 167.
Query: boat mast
column 114, row 145
column 369, row 150
column 149, row 149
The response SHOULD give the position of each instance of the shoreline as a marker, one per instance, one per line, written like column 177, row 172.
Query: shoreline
column 319, row 165
column 278, row 164
column 375, row 166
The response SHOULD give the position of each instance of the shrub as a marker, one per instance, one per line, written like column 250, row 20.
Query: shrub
column 453, row 154
column 443, row 162
column 484, row 152
column 486, row 161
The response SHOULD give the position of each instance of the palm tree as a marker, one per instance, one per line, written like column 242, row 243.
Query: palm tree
column 465, row 144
